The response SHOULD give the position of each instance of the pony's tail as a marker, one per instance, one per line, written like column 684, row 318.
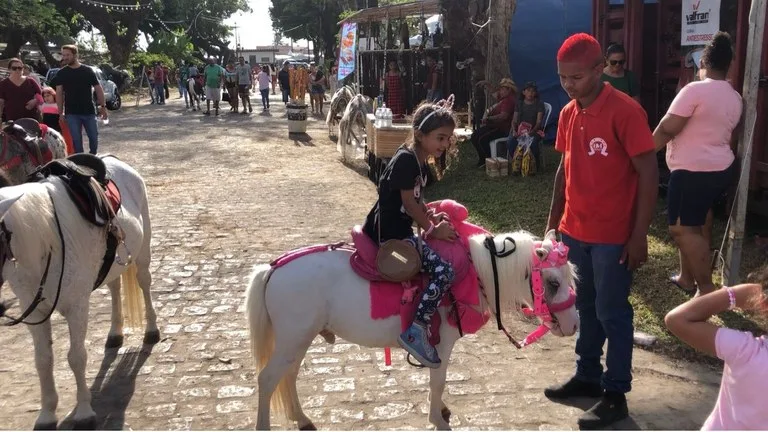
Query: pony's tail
column 263, row 336
column 133, row 298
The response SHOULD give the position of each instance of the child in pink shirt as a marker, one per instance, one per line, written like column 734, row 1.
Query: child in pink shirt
column 741, row 403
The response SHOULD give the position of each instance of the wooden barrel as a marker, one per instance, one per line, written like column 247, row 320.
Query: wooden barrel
column 297, row 118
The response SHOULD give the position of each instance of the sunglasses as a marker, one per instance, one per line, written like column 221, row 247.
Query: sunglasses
column 16, row 68
column 617, row 62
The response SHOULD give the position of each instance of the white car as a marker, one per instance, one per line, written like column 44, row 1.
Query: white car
column 111, row 95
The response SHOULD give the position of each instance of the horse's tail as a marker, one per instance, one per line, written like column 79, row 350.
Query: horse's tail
column 133, row 299
column 263, row 337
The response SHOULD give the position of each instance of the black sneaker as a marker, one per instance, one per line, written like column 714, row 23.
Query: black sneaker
column 612, row 408
column 574, row 388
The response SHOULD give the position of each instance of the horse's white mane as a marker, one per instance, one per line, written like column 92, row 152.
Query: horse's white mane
column 513, row 269
column 31, row 222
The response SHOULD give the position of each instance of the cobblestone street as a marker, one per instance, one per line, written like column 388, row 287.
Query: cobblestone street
column 232, row 191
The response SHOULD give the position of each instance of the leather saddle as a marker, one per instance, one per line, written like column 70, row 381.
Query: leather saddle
column 30, row 133
column 88, row 183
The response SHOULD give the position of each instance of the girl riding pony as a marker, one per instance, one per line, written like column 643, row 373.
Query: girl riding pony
column 401, row 203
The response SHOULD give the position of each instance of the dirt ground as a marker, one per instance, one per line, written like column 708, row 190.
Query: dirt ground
column 231, row 191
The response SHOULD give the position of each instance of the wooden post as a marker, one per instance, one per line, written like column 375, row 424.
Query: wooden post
column 746, row 139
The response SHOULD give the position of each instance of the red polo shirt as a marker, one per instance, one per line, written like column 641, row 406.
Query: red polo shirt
column 599, row 143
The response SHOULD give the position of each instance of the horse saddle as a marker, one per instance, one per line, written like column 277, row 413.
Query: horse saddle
column 30, row 134
column 88, row 183
column 364, row 259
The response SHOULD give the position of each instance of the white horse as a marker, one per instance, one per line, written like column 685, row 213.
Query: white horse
column 36, row 217
column 354, row 118
column 339, row 103
column 194, row 98
column 287, row 307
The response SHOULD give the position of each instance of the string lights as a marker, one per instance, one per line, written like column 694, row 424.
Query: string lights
column 118, row 7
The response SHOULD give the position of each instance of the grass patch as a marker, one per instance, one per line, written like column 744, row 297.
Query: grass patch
column 506, row 204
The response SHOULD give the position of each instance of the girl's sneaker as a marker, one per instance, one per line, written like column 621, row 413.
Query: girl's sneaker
column 416, row 341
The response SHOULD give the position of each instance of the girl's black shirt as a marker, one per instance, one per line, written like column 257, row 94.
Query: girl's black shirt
column 402, row 173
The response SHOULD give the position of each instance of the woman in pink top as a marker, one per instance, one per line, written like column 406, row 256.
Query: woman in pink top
column 697, row 133
column 741, row 402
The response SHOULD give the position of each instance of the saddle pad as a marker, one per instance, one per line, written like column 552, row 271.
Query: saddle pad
column 390, row 299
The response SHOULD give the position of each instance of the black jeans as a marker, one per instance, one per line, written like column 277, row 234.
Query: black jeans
column 482, row 138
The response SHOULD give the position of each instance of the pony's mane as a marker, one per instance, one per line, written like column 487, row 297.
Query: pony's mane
column 31, row 221
column 513, row 269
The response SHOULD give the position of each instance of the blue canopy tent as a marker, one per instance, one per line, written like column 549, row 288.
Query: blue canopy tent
column 539, row 27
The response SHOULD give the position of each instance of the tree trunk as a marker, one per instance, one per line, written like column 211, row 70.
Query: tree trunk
column 42, row 44
column 14, row 42
column 459, row 32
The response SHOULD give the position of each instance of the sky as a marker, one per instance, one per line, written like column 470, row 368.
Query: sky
column 254, row 28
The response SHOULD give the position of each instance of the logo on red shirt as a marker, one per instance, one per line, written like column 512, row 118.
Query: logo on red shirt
column 598, row 145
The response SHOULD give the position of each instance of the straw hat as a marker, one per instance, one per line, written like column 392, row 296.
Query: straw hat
column 508, row 83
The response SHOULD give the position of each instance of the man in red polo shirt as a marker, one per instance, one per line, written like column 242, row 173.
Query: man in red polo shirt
column 603, row 202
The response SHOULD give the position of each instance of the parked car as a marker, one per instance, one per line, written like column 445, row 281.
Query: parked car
column 111, row 95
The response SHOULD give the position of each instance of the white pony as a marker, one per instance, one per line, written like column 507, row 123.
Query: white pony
column 354, row 118
column 339, row 103
column 31, row 247
column 194, row 98
column 320, row 293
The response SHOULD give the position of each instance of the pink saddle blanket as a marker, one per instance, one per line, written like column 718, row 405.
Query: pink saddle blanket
column 391, row 299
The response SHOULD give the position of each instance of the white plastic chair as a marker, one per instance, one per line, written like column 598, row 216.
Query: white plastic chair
column 499, row 141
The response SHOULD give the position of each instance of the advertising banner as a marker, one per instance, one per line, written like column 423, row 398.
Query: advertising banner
column 347, row 48
column 701, row 20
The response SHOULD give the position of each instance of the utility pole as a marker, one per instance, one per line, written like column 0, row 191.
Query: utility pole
column 746, row 139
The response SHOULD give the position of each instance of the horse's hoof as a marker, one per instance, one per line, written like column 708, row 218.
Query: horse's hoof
column 85, row 424
column 45, row 426
column 114, row 342
column 446, row 413
column 310, row 427
column 152, row 337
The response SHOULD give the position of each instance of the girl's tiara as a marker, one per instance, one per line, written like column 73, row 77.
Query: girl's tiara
column 443, row 105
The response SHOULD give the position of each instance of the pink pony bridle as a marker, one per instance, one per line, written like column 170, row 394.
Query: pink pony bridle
column 557, row 257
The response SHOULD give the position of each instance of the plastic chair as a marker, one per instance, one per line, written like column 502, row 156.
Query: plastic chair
column 495, row 143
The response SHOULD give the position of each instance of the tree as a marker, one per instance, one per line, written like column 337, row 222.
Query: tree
column 200, row 21
column 25, row 20
column 460, row 34
column 119, row 26
column 314, row 20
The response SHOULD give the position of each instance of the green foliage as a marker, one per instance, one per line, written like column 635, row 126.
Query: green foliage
column 31, row 17
column 176, row 46
column 142, row 58
column 315, row 20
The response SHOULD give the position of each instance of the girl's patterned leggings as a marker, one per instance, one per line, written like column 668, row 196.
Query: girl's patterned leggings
column 440, row 278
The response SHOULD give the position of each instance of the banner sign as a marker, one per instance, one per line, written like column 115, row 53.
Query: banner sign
column 347, row 48
column 701, row 20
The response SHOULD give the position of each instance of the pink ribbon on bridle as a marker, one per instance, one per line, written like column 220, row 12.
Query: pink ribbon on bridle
column 557, row 257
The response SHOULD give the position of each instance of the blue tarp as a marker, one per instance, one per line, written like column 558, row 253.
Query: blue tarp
column 538, row 29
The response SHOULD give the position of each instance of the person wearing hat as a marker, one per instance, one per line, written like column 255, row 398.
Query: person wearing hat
column 529, row 116
column 496, row 121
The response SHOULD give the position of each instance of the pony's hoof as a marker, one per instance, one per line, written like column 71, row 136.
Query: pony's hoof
column 114, row 342
column 152, row 337
column 310, row 427
column 45, row 426
column 85, row 424
column 446, row 413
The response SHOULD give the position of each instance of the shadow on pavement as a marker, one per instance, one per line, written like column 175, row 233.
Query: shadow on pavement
column 113, row 391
